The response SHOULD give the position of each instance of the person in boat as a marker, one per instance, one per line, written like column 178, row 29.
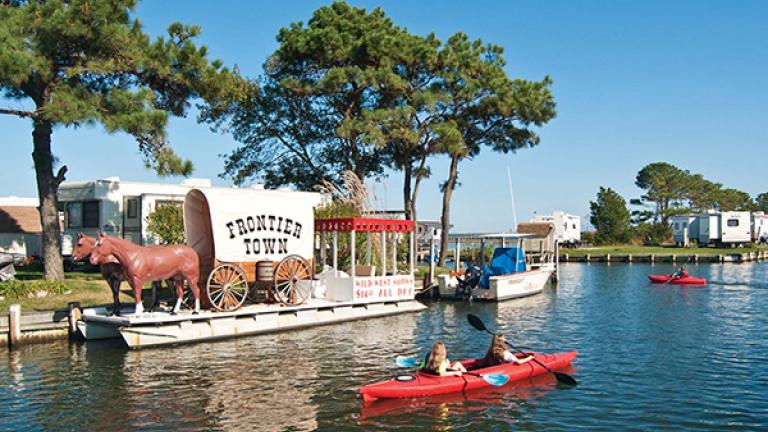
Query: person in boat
column 681, row 273
column 438, row 363
column 499, row 354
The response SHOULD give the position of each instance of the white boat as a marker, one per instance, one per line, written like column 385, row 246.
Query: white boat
column 512, row 272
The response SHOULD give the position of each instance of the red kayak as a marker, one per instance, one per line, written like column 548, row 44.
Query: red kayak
column 425, row 384
column 688, row 280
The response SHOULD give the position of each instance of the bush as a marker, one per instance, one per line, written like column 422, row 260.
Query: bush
column 14, row 289
column 653, row 234
column 167, row 223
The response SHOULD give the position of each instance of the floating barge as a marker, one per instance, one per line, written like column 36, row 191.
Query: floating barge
column 153, row 329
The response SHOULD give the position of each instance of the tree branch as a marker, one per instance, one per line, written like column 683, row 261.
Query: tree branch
column 18, row 113
column 60, row 175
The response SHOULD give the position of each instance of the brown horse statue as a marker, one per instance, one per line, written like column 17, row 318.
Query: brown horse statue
column 111, row 270
column 142, row 264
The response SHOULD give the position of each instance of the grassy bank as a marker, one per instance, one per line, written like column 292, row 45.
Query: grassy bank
column 659, row 250
column 58, row 295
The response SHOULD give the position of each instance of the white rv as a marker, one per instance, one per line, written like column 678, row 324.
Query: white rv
column 685, row 229
column 725, row 228
column 118, row 208
column 759, row 227
column 567, row 227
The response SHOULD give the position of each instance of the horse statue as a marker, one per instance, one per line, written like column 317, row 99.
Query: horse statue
column 142, row 264
column 111, row 270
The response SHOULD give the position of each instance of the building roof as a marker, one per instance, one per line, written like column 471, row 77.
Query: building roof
column 19, row 219
column 536, row 229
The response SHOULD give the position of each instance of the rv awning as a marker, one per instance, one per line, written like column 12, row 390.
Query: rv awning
column 242, row 225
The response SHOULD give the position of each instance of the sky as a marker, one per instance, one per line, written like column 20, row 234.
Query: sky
column 685, row 82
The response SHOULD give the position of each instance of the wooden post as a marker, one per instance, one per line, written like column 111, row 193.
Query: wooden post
column 14, row 324
column 74, row 316
column 457, row 255
column 652, row 258
column 394, row 253
column 608, row 258
column 629, row 258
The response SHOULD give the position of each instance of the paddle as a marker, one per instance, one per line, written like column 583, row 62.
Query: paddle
column 494, row 379
column 478, row 324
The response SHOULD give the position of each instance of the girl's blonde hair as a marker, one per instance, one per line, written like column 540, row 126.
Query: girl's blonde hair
column 436, row 357
column 495, row 354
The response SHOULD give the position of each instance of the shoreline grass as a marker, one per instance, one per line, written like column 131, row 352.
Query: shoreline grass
column 658, row 250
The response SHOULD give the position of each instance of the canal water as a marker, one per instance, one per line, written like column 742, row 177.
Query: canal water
column 652, row 357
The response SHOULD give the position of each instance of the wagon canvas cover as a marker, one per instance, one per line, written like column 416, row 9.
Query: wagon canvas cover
column 248, row 225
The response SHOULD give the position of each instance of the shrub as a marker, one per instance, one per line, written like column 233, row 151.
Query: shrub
column 14, row 289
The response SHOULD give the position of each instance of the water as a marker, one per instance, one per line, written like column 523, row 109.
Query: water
column 658, row 357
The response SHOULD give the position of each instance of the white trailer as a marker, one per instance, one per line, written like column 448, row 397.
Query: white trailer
column 760, row 227
column 118, row 208
column 725, row 228
column 567, row 227
column 685, row 229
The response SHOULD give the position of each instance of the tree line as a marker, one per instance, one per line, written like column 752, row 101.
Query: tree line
column 349, row 91
column 667, row 191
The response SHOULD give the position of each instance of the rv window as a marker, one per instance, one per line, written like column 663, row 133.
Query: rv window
column 685, row 224
column 91, row 214
column 74, row 215
column 733, row 222
column 574, row 226
column 677, row 225
column 133, row 209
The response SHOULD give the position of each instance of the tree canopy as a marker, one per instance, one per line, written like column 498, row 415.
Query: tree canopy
column 86, row 62
column 610, row 217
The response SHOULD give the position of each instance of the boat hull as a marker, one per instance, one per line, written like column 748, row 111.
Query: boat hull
column 425, row 384
column 688, row 280
column 503, row 287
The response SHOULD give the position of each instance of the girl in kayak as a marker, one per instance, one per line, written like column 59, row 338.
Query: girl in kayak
column 437, row 362
column 498, row 353
column 682, row 273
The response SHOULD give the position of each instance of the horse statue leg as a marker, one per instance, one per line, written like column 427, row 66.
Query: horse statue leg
column 136, row 285
column 179, row 295
column 192, row 280
column 114, row 283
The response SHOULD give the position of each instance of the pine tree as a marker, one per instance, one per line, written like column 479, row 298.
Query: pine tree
column 86, row 62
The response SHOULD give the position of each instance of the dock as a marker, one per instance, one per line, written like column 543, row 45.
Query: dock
column 666, row 258
column 160, row 328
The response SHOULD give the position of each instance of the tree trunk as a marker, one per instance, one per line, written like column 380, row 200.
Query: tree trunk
column 47, row 187
column 445, row 218
column 407, row 203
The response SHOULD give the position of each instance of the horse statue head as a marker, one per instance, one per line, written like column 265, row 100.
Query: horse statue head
column 102, row 250
column 83, row 247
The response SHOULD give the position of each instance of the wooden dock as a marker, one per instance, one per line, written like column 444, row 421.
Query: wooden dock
column 666, row 258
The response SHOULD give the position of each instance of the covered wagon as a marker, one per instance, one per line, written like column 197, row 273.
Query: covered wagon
column 245, row 236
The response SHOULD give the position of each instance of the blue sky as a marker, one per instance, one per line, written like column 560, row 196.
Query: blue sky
column 635, row 82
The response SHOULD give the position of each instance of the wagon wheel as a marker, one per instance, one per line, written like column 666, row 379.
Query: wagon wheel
column 227, row 287
column 288, row 278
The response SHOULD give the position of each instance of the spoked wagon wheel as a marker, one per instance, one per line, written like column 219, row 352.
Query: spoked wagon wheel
column 292, row 280
column 227, row 287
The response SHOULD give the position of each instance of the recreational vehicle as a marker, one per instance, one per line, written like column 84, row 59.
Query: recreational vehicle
column 118, row 208
column 567, row 227
column 725, row 228
column 685, row 229
column 759, row 227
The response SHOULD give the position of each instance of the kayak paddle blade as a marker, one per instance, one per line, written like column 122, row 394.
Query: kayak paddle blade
column 495, row 379
column 565, row 379
column 406, row 362
column 476, row 322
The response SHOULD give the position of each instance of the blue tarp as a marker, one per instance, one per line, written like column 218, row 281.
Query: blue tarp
column 504, row 261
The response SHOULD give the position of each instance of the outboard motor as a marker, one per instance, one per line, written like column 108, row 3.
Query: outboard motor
column 469, row 282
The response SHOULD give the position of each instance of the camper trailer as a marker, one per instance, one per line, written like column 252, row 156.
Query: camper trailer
column 685, row 229
column 725, row 228
column 760, row 227
column 567, row 227
column 118, row 208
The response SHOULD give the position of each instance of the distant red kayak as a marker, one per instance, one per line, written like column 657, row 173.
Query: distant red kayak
column 688, row 280
column 424, row 384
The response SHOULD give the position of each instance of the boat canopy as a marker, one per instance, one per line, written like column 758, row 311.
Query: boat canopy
column 506, row 260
